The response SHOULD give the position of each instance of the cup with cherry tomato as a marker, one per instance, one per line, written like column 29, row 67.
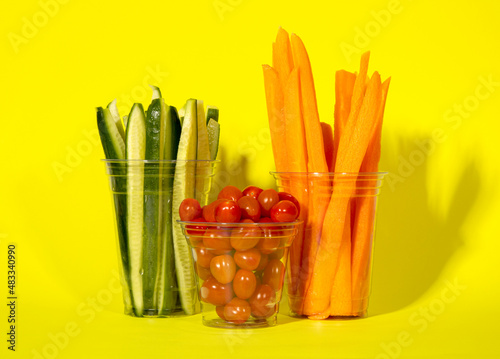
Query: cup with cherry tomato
column 239, row 248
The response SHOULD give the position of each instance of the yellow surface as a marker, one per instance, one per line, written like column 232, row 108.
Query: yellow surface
column 436, row 282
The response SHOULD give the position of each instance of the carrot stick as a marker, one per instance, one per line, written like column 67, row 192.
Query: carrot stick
column 282, row 56
column 341, row 299
column 365, row 218
column 316, row 162
column 344, row 86
column 328, row 142
column 352, row 149
column 297, row 157
column 274, row 99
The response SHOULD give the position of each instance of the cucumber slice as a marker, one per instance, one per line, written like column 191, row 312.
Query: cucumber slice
column 203, row 152
column 184, row 187
column 112, row 141
column 167, row 283
column 154, row 147
column 125, row 119
column 116, row 116
column 136, row 150
column 212, row 114
column 213, row 129
column 156, row 92
column 182, row 111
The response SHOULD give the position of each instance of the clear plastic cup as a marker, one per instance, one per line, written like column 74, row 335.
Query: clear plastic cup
column 143, row 196
column 240, row 269
column 334, row 249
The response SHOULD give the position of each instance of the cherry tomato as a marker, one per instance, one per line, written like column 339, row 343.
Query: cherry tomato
column 264, row 259
column 273, row 274
column 287, row 196
column 203, row 257
column 243, row 238
column 262, row 302
column 237, row 311
column 267, row 199
column 244, row 283
column 217, row 240
column 220, row 312
column 231, row 193
column 216, row 293
column 203, row 272
column 228, row 212
column 223, row 268
column 252, row 191
column 271, row 237
column 209, row 210
column 196, row 230
column 284, row 211
column 189, row 209
column 277, row 254
column 248, row 259
column 250, row 208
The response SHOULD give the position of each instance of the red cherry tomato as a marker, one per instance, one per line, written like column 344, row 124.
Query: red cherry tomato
column 189, row 209
column 228, row 212
column 196, row 230
column 243, row 238
column 217, row 240
column 262, row 302
column 267, row 199
column 220, row 312
column 284, row 211
column 223, row 268
column 231, row 193
column 216, row 293
column 250, row 208
column 203, row 272
column 209, row 210
column 273, row 274
column 237, row 311
column 287, row 196
column 203, row 257
column 244, row 283
column 248, row 259
column 252, row 191
column 264, row 259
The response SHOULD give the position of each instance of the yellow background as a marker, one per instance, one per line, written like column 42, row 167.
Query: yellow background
column 438, row 212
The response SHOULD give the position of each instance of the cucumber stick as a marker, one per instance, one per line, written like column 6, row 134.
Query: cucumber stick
column 116, row 116
column 184, row 187
column 212, row 114
column 213, row 129
column 111, row 139
column 203, row 152
column 136, row 150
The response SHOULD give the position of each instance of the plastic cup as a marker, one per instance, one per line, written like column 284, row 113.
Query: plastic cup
column 142, row 192
column 339, row 211
column 240, row 269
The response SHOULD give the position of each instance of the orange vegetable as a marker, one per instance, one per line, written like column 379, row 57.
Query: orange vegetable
column 351, row 153
column 328, row 143
column 344, row 86
column 274, row 99
column 282, row 56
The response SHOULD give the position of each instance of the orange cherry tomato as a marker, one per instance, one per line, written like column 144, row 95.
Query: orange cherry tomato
column 243, row 238
column 271, row 238
column 277, row 254
column 203, row 272
column 203, row 257
column 237, row 311
column 264, row 259
column 263, row 301
column 250, row 208
column 244, row 283
column 267, row 199
column 248, row 259
column 220, row 311
column 223, row 268
column 230, row 192
column 273, row 274
column 216, row 293
column 217, row 239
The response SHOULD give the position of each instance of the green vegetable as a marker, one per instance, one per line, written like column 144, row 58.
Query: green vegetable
column 212, row 114
column 213, row 129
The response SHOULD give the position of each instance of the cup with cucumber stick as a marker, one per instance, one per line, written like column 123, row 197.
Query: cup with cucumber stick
column 155, row 159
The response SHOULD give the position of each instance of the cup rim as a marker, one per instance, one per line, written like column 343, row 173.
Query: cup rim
column 105, row 160
column 297, row 222
column 382, row 173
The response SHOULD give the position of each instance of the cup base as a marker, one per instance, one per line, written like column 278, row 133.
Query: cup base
column 253, row 323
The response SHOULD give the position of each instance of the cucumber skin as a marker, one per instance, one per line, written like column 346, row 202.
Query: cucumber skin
column 110, row 151
column 151, row 204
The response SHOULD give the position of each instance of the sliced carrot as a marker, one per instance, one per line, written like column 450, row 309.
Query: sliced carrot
column 328, row 143
column 341, row 298
column 365, row 218
column 352, row 149
column 274, row 99
column 282, row 56
column 344, row 86
column 318, row 200
column 297, row 157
